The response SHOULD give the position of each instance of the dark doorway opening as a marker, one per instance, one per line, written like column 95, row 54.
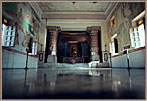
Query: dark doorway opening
column 73, row 47
column 116, row 45
column 99, row 46
column 47, row 50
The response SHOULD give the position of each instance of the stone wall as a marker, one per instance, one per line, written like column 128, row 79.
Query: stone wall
column 43, row 34
column 28, row 25
column 124, row 13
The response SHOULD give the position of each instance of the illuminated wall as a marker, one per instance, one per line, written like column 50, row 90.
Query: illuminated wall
column 28, row 25
column 123, row 14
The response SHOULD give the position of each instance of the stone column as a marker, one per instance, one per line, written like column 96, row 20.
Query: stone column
column 94, row 39
column 93, row 34
column 53, row 30
column 53, row 42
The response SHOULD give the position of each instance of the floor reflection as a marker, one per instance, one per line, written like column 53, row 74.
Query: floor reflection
column 73, row 83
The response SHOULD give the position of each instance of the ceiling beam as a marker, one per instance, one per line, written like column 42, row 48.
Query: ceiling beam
column 74, row 16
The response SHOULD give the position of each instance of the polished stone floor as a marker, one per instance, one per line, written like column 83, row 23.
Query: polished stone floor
column 78, row 83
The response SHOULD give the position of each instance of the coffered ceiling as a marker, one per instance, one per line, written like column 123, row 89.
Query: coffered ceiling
column 74, row 15
column 84, row 7
column 76, row 10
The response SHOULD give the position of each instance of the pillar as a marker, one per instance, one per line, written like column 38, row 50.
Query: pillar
column 93, row 34
column 53, row 30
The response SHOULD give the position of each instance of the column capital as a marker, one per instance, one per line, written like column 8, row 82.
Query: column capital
column 95, row 28
column 53, row 28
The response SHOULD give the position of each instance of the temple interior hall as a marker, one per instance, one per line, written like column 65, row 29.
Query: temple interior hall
column 73, row 50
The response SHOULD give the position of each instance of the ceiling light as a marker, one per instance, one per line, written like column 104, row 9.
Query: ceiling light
column 94, row 2
column 73, row 3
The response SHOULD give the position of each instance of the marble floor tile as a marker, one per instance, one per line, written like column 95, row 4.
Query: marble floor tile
column 63, row 83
